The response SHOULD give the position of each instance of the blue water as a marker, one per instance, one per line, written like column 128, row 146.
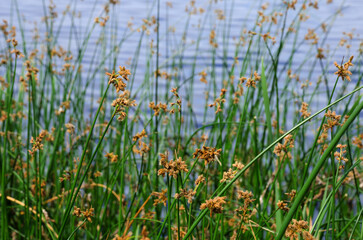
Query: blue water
column 240, row 14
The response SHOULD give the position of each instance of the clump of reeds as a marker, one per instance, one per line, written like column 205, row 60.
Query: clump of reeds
column 89, row 150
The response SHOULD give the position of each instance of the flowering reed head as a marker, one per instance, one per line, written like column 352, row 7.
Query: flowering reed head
column 37, row 143
column 215, row 205
column 161, row 197
column 282, row 150
column 172, row 167
column 208, row 154
column 304, row 110
column 121, row 103
column 298, row 227
column 343, row 69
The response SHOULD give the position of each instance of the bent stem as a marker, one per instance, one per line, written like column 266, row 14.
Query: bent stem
column 239, row 174
column 316, row 170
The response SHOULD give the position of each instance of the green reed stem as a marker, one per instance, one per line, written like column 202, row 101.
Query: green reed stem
column 239, row 174
column 302, row 192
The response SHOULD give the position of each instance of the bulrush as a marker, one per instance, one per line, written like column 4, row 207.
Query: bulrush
column 252, row 80
column 228, row 175
column 115, row 79
column 219, row 101
column 343, row 69
column 282, row 149
column 332, row 120
column 188, row 194
column 121, row 103
column 215, row 205
column 339, row 155
column 283, row 206
column 37, row 143
column 200, row 179
column 246, row 211
column 87, row 214
column 304, row 110
column 123, row 100
column 157, row 108
column 208, row 154
column 112, row 157
column 172, row 167
column 203, row 78
column 298, row 227
column 161, row 197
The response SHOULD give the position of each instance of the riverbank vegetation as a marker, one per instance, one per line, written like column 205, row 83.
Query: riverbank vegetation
column 209, row 130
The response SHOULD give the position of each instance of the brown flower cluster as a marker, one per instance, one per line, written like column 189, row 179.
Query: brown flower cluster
column 203, row 76
column 215, row 205
column 212, row 39
column 123, row 101
column 311, row 35
column 178, row 101
column 38, row 186
column 251, row 81
column 139, row 135
column 245, row 210
column 298, row 227
column 66, row 176
column 200, row 179
column 339, row 155
column 282, row 150
column 181, row 231
column 239, row 92
column 304, row 110
column 320, row 53
column 228, row 175
column 332, row 120
column 102, row 20
column 238, row 165
column 343, row 70
column 62, row 108
column 32, row 73
column 111, row 157
column 208, row 154
column 144, row 233
column 267, row 36
column 117, row 78
column 290, row 4
column 283, row 206
column 70, row 128
column 13, row 41
column 291, row 194
column 358, row 141
column 267, row 18
column 4, row 28
column 172, row 167
column 218, row 102
column 157, row 108
column 37, row 143
column 142, row 146
column 86, row 214
column 161, row 197
column 188, row 194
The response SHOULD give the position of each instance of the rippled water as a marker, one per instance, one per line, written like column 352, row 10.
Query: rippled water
column 240, row 14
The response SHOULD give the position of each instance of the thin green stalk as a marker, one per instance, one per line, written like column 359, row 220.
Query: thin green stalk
column 239, row 174
column 72, row 198
column 302, row 192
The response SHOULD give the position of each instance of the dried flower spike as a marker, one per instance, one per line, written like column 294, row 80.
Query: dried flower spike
column 343, row 70
column 215, row 205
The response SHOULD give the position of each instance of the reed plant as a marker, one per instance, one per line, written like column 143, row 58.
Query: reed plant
column 208, row 131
